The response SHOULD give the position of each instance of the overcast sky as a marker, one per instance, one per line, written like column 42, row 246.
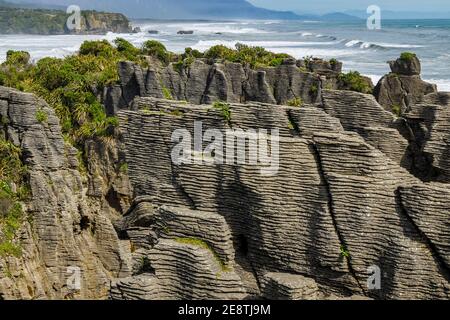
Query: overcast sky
column 343, row 5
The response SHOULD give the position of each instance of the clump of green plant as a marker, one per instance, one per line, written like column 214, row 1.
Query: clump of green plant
column 307, row 61
column 177, row 113
column 407, row 56
column 295, row 102
column 123, row 168
column 224, row 109
column 314, row 90
column 17, row 57
column 344, row 251
column 166, row 93
column 202, row 244
column 13, row 190
column 41, row 116
column 14, row 71
column 97, row 48
column 333, row 62
column 158, row 50
column 186, row 59
column 70, row 85
column 126, row 48
column 252, row 56
column 354, row 81
column 397, row 110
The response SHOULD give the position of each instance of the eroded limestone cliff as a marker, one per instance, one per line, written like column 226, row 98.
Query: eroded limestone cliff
column 358, row 189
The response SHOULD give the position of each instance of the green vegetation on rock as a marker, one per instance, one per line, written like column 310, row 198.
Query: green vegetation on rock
column 157, row 50
column 253, row 56
column 41, row 116
column 224, row 109
column 296, row 102
column 407, row 56
column 344, row 251
column 71, row 85
column 354, row 81
column 13, row 190
column 397, row 110
column 166, row 93
column 202, row 244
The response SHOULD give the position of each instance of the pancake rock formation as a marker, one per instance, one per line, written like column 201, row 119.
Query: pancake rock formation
column 353, row 203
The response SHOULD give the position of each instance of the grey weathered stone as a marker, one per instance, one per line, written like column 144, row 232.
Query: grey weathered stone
column 333, row 191
column 284, row 286
column 404, row 86
column 67, row 229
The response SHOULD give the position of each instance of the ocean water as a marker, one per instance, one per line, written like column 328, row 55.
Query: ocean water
column 351, row 42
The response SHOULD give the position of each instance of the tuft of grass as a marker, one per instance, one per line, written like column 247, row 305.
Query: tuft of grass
column 344, row 251
column 296, row 102
column 224, row 109
column 202, row 244
column 407, row 56
column 396, row 109
column 41, row 116
column 123, row 168
column 166, row 93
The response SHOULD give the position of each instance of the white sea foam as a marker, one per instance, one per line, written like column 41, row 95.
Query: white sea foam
column 442, row 84
column 203, row 28
column 206, row 44
column 295, row 49
column 381, row 45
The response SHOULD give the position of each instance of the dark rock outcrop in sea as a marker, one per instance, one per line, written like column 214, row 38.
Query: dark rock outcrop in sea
column 348, row 200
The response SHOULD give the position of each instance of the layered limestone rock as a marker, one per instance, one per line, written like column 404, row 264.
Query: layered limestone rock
column 362, row 114
column 430, row 128
column 322, row 201
column 403, row 87
column 181, row 254
column 282, row 286
column 65, row 233
column 332, row 211
column 204, row 82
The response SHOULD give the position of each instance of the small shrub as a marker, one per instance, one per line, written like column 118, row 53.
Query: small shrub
column 220, row 52
column 17, row 57
column 407, row 56
column 41, row 116
column 344, row 251
column 126, row 48
column 97, row 48
column 354, row 81
column 224, row 109
column 156, row 49
column 333, row 62
column 314, row 90
column 189, row 52
column 397, row 110
column 252, row 56
column 167, row 94
column 296, row 102
column 123, row 168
